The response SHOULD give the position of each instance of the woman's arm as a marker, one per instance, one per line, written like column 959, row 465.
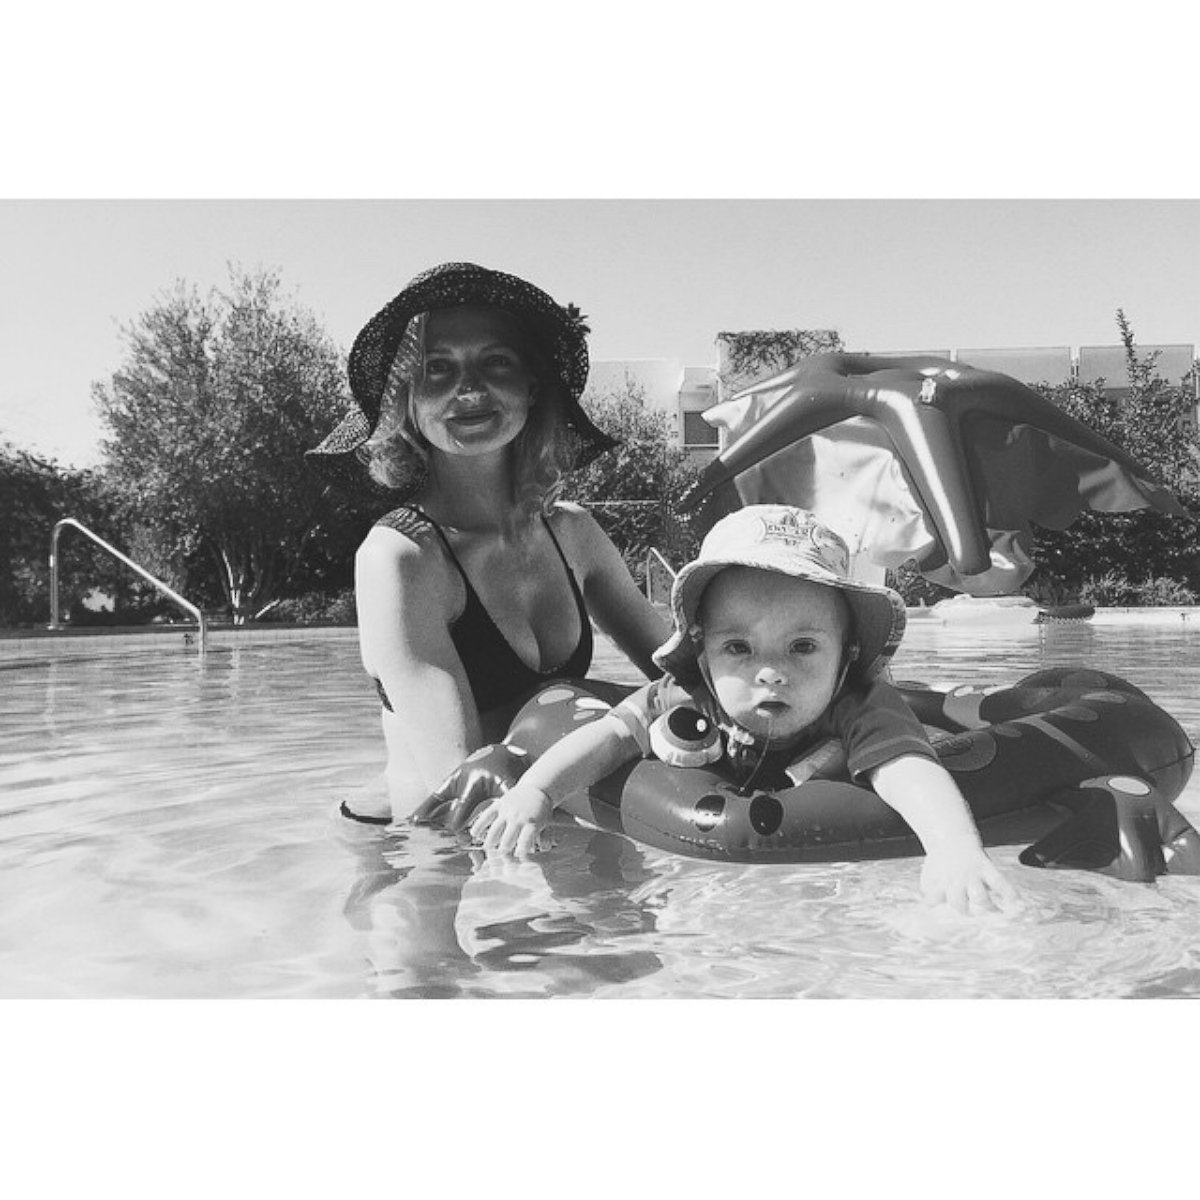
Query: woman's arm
column 405, row 597
column 957, row 869
column 612, row 597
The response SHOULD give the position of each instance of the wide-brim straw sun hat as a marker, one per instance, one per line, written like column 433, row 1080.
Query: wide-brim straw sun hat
column 559, row 329
column 790, row 541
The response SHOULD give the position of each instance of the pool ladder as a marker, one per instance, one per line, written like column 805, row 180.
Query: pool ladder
column 655, row 561
column 170, row 593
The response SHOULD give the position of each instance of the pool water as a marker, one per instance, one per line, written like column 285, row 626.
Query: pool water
column 168, row 829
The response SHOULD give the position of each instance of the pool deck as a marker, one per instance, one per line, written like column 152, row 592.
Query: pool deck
column 1174, row 617
column 89, row 641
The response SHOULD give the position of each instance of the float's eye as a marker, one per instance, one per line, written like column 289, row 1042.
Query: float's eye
column 708, row 812
column 766, row 814
column 685, row 737
column 688, row 724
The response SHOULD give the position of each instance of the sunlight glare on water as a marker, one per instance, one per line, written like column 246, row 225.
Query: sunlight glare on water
column 167, row 828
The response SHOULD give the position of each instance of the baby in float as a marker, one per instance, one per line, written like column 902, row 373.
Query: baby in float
column 780, row 658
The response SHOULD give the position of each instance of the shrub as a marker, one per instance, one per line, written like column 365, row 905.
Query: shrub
column 1110, row 590
column 1049, row 591
column 314, row 608
column 1164, row 593
column 914, row 587
column 1114, row 590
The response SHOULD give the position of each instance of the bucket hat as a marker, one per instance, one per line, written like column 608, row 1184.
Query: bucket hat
column 790, row 541
column 560, row 330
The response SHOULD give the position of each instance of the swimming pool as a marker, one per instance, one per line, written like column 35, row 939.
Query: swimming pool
column 167, row 829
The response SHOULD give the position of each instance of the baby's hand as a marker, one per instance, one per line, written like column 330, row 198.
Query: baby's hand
column 512, row 822
column 961, row 874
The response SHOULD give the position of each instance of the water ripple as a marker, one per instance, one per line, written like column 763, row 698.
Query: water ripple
column 167, row 830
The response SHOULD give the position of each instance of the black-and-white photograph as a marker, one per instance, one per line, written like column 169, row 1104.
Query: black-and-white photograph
column 681, row 523
column 601, row 599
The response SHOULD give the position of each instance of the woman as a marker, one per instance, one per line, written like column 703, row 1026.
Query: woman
column 477, row 589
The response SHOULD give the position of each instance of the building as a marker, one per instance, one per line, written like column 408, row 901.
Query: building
column 665, row 385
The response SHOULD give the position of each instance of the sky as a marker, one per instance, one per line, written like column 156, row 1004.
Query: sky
column 658, row 278
column 917, row 176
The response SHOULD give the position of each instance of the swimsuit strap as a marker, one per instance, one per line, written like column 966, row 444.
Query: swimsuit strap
column 450, row 551
column 583, row 614
column 579, row 602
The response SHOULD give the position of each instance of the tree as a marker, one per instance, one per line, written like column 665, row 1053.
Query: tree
column 1154, row 421
column 751, row 355
column 633, row 490
column 209, row 417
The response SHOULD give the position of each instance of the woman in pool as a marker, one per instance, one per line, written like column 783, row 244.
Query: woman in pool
column 477, row 589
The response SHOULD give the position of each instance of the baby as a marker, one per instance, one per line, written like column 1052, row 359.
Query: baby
column 782, row 652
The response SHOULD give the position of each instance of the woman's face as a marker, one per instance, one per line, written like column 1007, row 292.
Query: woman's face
column 476, row 390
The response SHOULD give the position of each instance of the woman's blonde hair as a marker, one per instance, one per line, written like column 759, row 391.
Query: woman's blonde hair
column 397, row 454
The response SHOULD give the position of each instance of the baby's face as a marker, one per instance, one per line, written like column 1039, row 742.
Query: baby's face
column 774, row 646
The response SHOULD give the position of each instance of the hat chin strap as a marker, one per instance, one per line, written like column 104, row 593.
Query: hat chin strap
column 850, row 654
column 706, row 675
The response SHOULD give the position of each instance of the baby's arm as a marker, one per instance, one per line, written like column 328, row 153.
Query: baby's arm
column 956, row 868
column 511, row 822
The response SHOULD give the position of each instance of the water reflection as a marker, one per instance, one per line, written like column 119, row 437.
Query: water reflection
column 441, row 919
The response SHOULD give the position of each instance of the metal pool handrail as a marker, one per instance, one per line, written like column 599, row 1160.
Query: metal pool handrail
column 170, row 593
column 651, row 555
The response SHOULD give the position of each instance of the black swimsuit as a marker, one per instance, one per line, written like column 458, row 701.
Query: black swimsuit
column 497, row 674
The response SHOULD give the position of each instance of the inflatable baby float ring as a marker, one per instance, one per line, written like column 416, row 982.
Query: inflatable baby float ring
column 1078, row 759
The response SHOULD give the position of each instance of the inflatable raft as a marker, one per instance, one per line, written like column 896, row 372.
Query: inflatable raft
column 1001, row 610
column 1077, row 760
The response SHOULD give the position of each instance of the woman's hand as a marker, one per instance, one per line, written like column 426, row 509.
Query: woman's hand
column 510, row 824
column 959, row 873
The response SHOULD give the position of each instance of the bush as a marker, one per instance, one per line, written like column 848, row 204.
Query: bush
column 1164, row 593
column 1115, row 590
column 315, row 608
column 914, row 587
column 1049, row 591
column 1110, row 590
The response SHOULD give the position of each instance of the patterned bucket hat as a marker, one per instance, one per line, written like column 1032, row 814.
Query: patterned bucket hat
column 560, row 330
column 790, row 541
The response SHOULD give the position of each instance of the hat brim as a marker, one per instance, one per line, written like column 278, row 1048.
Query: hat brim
column 452, row 285
column 879, row 613
column 338, row 457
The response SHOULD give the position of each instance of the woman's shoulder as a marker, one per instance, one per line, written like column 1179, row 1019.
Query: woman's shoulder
column 404, row 535
column 576, row 526
column 567, row 513
column 410, row 522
